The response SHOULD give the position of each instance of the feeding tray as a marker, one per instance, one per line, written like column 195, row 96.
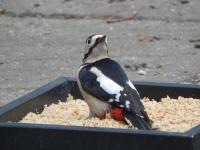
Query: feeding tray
column 24, row 136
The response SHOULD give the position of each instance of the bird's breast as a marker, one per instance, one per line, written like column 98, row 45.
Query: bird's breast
column 97, row 107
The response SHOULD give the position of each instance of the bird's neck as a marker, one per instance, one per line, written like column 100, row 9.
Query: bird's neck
column 92, row 58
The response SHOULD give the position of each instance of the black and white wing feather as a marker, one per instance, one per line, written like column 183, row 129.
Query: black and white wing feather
column 101, row 88
column 106, row 80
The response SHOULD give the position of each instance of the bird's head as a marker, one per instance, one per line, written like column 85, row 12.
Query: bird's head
column 95, row 48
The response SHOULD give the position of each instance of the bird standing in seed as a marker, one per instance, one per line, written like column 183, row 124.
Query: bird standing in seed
column 106, row 88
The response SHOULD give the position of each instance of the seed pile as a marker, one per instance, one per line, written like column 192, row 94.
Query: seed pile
column 71, row 112
column 175, row 115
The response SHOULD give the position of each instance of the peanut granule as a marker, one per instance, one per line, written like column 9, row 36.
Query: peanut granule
column 175, row 115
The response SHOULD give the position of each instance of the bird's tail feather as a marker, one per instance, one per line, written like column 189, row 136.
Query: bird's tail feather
column 141, row 121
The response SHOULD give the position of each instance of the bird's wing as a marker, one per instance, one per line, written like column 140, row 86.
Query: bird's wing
column 103, row 87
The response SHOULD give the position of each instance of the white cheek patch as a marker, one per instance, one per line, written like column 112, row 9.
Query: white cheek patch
column 107, row 84
column 92, row 42
column 94, row 39
column 106, row 40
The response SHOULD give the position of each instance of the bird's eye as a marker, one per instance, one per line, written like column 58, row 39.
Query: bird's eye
column 88, row 41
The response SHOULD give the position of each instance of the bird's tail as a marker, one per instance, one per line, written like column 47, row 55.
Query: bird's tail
column 141, row 121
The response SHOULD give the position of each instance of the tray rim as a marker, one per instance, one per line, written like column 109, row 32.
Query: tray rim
column 61, row 80
column 93, row 129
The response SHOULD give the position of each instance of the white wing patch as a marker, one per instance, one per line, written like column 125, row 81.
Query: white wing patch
column 111, row 100
column 107, row 84
column 127, row 103
column 122, row 106
column 131, row 85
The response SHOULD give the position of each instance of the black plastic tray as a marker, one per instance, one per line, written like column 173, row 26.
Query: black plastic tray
column 46, row 137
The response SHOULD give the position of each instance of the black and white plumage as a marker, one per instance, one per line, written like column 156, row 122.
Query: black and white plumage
column 104, row 85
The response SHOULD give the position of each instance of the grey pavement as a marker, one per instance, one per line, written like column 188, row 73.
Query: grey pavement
column 41, row 40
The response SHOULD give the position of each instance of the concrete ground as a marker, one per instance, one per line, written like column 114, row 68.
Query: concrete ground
column 155, row 40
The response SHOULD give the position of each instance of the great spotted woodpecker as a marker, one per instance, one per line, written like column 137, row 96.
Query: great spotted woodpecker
column 106, row 88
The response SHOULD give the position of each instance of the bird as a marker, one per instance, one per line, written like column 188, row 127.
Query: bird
column 106, row 88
